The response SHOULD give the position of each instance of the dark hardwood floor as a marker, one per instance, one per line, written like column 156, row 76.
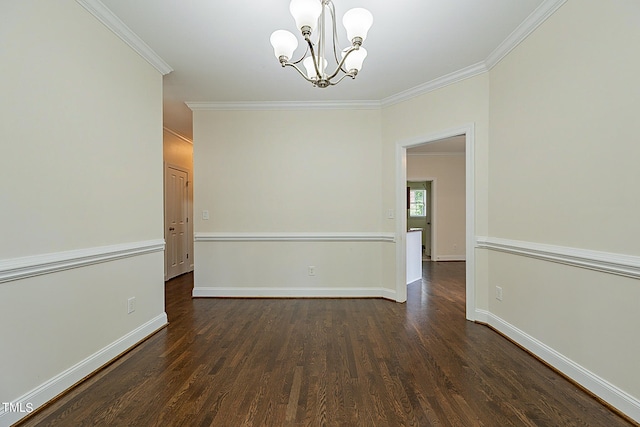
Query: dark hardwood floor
column 334, row 362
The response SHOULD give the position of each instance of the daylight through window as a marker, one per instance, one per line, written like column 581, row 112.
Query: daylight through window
column 418, row 203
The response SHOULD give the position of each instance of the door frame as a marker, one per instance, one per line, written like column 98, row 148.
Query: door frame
column 468, row 130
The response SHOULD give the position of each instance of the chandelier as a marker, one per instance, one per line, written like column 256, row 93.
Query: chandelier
column 306, row 13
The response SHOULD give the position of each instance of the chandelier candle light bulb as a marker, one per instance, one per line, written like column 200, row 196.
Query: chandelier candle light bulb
column 306, row 13
column 311, row 67
column 357, row 23
column 284, row 43
column 309, row 14
column 353, row 62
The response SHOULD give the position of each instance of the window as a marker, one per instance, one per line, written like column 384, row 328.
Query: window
column 418, row 203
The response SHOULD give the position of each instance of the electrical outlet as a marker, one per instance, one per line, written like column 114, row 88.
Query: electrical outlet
column 498, row 293
column 312, row 270
column 131, row 305
column 205, row 215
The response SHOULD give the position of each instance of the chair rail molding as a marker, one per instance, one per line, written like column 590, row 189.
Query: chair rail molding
column 295, row 237
column 21, row 268
column 607, row 262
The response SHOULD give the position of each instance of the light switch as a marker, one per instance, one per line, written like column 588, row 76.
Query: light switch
column 205, row 214
column 390, row 214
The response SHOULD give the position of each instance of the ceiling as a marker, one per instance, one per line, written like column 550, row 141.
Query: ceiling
column 219, row 50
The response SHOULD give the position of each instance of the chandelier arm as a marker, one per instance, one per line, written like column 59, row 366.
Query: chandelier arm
column 303, row 56
column 341, row 63
column 353, row 76
column 295, row 67
column 335, row 32
column 313, row 55
column 321, row 42
column 332, row 9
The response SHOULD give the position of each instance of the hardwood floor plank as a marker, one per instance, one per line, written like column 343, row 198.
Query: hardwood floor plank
column 333, row 362
column 292, row 404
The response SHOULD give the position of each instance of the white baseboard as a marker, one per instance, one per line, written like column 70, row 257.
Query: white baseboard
column 606, row 391
column 66, row 379
column 266, row 292
column 450, row 258
column 410, row 280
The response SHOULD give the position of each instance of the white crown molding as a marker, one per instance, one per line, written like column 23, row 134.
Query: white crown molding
column 608, row 392
column 619, row 264
column 119, row 28
column 294, row 237
column 284, row 105
column 21, row 268
column 440, row 82
column 68, row 378
column 292, row 292
column 177, row 135
column 533, row 21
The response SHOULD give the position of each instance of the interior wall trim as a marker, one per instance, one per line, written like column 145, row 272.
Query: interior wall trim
column 103, row 14
column 613, row 263
column 608, row 392
column 21, row 268
column 68, row 378
column 435, row 84
column 177, row 135
column 283, row 105
column 450, row 258
column 292, row 292
column 295, row 237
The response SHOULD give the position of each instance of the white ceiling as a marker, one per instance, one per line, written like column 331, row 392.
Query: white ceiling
column 219, row 50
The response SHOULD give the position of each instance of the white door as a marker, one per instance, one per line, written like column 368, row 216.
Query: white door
column 176, row 222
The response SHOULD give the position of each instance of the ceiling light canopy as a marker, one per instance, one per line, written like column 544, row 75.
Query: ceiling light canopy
column 310, row 14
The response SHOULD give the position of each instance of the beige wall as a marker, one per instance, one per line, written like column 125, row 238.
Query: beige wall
column 449, row 201
column 80, row 114
column 283, row 172
column 564, row 172
column 563, row 106
column 287, row 170
column 63, row 111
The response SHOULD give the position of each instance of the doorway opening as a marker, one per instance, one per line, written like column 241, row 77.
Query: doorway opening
column 428, row 142
column 421, row 212
column 178, row 228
